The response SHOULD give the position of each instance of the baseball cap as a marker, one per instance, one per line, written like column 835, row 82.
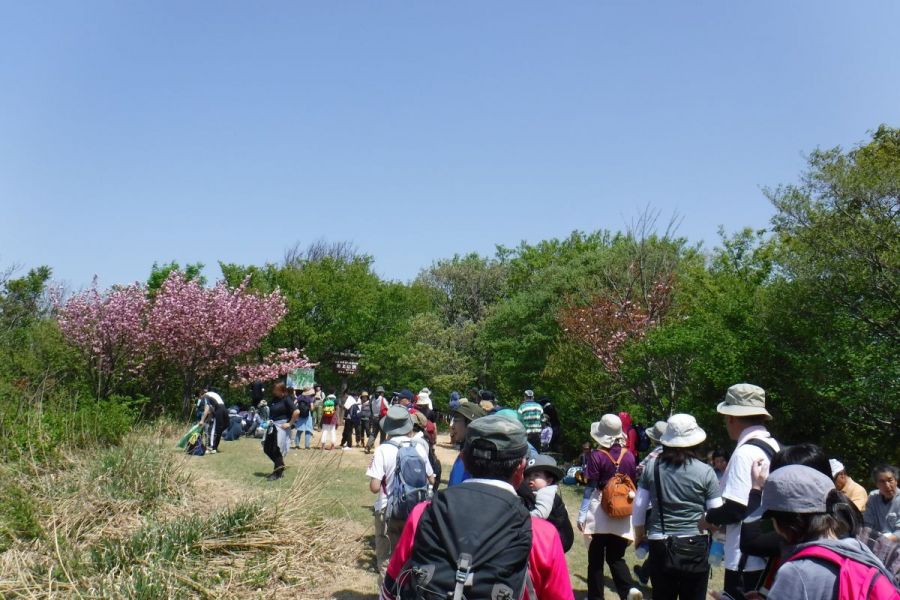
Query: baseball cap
column 796, row 489
column 496, row 438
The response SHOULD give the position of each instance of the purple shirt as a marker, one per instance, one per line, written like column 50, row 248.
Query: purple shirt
column 600, row 468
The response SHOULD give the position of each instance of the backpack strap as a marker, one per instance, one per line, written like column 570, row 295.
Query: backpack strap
column 614, row 461
column 759, row 443
column 662, row 512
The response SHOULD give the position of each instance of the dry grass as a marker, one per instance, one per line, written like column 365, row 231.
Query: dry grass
column 127, row 522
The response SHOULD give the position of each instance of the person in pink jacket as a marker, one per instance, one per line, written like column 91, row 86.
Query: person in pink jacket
column 478, row 532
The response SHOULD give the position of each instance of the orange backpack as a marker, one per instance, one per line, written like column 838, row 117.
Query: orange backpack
column 619, row 492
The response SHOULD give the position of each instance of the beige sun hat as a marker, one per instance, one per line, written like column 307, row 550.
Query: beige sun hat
column 657, row 431
column 608, row 430
column 744, row 400
column 682, row 431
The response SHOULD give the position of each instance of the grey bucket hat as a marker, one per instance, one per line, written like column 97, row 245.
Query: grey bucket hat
column 544, row 462
column 796, row 489
column 397, row 421
column 744, row 400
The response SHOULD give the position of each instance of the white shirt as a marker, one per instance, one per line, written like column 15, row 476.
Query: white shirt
column 736, row 485
column 350, row 401
column 384, row 463
column 216, row 398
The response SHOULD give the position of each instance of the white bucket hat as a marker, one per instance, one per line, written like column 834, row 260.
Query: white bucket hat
column 682, row 431
column 744, row 400
column 656, row 432
column 608, row 430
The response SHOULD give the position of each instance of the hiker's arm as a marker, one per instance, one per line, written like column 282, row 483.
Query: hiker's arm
column 730, row 512
column 206, row 412
column 294, row 416
column 375, row 485
column 431, row 479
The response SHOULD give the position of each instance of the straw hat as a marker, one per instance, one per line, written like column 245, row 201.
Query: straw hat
column 608, row 430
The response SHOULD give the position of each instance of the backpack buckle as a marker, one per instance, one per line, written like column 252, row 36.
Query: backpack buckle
column 463, row 566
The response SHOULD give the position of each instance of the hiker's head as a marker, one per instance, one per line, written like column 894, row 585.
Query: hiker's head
column 279, row 390
column 885, row 478
column 838, row 473
column 406, row 397
column 805, row 506
column 608, row 431
column 396, row 422
column 808, row 455
column 461, row 416
column 744, row 406
column 496, row 448
column 681, row 440
column 542, row 471
column 719, row 459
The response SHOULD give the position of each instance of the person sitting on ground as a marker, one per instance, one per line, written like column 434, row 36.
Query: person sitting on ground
column 883, row 507
column 540, row 493
column 851, row 489
column 812, row 517
column 476, row 540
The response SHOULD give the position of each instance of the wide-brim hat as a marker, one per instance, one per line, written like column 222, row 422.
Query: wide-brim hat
column 744, row 400
column 544, row 462
column 379, row 389
column 468, row 411
column 423, row 398
column 608, row 431
column 309, row 392
column 364, row 394
column 657, row 431
column 682, row 431
column 796, row 489
column 419, row 419
column 397, row 421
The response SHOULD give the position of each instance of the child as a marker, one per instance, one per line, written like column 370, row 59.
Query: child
column 329, row 427
column 546, row 433
column 542, row 476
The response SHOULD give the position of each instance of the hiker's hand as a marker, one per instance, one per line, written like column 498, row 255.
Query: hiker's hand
column 704, row 525
column 286, row 426
column 759, row 472
column 580, row 525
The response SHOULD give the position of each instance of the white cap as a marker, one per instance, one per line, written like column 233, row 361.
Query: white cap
column 836, row 466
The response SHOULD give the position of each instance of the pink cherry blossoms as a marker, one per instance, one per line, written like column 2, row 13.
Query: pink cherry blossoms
column 274, row 365
column 196, row 331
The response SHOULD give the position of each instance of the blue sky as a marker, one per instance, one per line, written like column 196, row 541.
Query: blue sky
column 134, row 132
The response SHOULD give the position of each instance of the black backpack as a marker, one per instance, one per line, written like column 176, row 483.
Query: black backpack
column 473, row 541
column 643, row 439
column 303, row 407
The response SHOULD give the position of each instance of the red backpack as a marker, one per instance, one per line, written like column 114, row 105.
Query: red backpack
column 856, row 581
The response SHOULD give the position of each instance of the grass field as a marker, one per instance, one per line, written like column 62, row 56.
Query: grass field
column 341, row 494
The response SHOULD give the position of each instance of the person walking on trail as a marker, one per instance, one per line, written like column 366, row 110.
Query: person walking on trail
column 460, row 419
column 397, row 426
column 745, row 414
column 283, row 414
column 681, row 487
column 631, row 434
column 842, row 482
column 319, row 396
column 329, row 422
column 883, row 508
column 380, row 406
column 610, row 535
column 530, row 413
column 365, row 419
column 216, row 415
column 424, row 403
column 654, row 434
column 304, row 424
column 351, row 418
column 476, row 539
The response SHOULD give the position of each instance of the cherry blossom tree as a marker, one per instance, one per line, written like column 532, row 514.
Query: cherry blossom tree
column 199, row 331
column 110, row 331
column 274, row 365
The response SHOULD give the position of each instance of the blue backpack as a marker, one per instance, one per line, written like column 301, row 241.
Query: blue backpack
column 410, row 484
column 195, row 445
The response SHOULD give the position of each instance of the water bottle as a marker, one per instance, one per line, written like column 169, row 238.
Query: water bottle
column 716, row 551
column 642, row 550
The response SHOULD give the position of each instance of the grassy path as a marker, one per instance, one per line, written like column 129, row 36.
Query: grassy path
column 339, row 490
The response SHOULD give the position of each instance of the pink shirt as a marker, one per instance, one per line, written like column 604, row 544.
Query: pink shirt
column 546, row 563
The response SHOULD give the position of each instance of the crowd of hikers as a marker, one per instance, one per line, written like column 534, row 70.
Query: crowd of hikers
column 786, row 521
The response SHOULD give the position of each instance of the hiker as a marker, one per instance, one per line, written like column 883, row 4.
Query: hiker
column 215, row 414
column 460, row 419
column 540, row 493
column 424, row 403
column 397, row 426
column 654, row 434
column 380, row 407
column 351, row 420
column 546, row 433
column 631, row 434
column 851, row 489
column 424, row 429
column 883, row 507
column 304, row 423
column 530, row 413
column 806, row 507
column 365, row 418
column 681, row 487
column 719, row 462
column 610, row 536
column 235, row 425
column 476, row 540
column 329, row 422
column 553, row 416
column 454, row 400
column 282, row 416
column 319, row 396
column 488, row 401
column 745, row 414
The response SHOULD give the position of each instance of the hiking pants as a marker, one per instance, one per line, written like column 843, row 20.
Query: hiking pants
column 362, row 431
column 217, row 427
column 317, row 414
column 375, row 431
column 275, row 441
column 668, row 586
column 328, row 432
column 387, row 534
column 347, row 434
column 612, row 548
column 298, row 434
column 737, row 582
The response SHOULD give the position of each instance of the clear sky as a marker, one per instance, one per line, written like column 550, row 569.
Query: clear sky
column 134, row 132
